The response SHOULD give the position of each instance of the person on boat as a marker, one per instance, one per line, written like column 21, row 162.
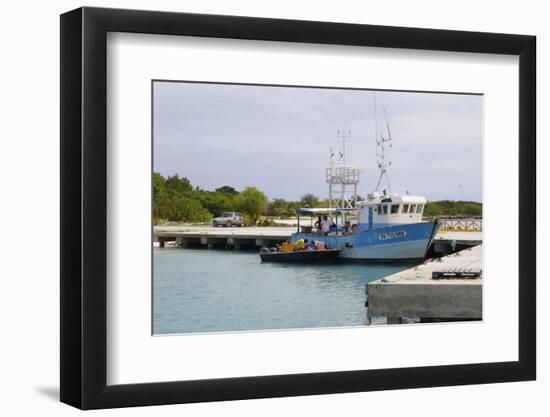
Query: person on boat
column 311, row 245
column 286, row 246
column 348, row 230
column 300, row 244
column 317, row 225
column 325, row 225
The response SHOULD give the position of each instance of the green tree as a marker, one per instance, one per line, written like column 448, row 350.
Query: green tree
column 226, row 189
column 453, row 208
column 180, row 185
column 186, row 209
column 293, row 207
column 158, row 183
column 251, row 202
column 175, row 200
column 215, row 202
column 278, row 207
column 158, row 186
column 173, row 206
column 309, row 200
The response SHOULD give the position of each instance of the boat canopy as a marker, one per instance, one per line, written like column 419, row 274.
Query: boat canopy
column 324, row 210
column 340, row 216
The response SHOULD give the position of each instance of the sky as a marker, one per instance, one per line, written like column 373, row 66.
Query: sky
column 278, row 138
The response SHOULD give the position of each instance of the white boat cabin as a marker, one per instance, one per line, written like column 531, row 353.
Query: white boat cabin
column 378, row 210
column 382, row 209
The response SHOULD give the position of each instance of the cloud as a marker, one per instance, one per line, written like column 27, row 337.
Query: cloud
column 278, row 138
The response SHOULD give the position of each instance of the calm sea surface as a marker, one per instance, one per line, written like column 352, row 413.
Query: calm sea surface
column 198, row 290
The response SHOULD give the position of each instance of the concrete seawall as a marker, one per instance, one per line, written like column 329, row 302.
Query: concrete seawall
column 413, row 295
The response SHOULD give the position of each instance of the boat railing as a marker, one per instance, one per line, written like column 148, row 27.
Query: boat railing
column 468, row 224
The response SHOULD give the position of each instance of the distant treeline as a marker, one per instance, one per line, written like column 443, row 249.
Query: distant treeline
column 452, row 208
column 176, row 200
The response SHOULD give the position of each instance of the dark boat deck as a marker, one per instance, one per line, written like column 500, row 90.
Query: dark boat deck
column 305, row 256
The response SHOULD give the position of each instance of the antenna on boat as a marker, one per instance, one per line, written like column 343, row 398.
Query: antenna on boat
column 387, row 124
column 375, row 123
column 381, row 148
column 343, row 136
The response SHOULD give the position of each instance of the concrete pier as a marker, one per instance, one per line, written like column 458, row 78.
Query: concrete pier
column 257, row 237
column 222, row 237
column 414, row 296
column 446, row 243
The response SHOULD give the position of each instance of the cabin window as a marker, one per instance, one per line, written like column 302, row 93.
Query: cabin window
column 419, row 209
column 395, row 208
column 405, row 208
column 385, row 208
column 413, row 208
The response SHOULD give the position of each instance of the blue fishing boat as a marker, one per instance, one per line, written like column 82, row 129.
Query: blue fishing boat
column 382, row 228
column 385, row 226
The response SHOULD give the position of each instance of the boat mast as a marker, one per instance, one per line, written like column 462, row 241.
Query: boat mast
column 343, row 136
column 381, row 148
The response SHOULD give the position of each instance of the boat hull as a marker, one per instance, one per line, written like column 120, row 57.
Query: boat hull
column 301, row 256
column 404, row 242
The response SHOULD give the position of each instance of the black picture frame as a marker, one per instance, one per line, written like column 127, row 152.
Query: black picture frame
column 84, row 207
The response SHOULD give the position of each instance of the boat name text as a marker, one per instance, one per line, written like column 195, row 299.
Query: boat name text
column 392, row 235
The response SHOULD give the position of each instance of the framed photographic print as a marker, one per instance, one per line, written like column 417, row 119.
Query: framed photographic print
column 259, row 207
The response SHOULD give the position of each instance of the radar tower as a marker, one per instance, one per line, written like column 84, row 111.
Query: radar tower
column 342, row 179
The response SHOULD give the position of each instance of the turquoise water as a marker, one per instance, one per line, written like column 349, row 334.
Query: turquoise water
column 199, row 290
